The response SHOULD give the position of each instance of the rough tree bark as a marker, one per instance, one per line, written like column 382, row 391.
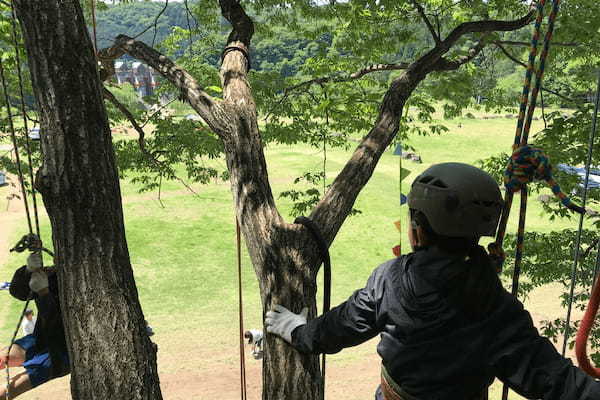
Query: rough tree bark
column 111, row 354
column 284, row 256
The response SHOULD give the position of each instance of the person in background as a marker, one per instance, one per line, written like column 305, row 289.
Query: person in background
column 28, row 322
column 42, row 353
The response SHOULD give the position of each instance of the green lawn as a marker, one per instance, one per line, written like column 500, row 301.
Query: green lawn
column 184, row 254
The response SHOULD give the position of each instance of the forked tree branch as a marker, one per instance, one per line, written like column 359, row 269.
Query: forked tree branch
column 331, row 211
column 450, row 65
column 427, row 62
column 207, row 107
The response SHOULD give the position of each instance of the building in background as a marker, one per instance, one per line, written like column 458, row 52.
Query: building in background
column 143, row 78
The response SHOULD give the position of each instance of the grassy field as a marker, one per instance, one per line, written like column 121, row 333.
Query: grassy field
column 184, row 253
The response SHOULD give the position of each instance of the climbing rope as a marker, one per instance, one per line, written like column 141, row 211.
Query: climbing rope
column 325, row 258
column 32, row 240
column 522, row 166
column 241, row 311
column 528, row 164
column 592, row 309
column 25, row 118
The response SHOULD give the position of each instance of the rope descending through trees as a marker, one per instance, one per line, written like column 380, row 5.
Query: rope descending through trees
column 592, row 309
column 31, row 241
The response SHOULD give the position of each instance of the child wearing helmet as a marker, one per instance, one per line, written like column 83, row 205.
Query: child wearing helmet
column 447, row 326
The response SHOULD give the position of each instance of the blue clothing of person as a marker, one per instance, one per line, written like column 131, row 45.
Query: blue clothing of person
column 38, row 365
column 46, row 355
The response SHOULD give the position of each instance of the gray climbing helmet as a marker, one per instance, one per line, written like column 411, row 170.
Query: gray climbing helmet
column 458, row 200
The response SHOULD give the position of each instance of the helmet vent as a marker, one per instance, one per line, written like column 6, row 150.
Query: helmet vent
column 433, row 181
column 426, row 179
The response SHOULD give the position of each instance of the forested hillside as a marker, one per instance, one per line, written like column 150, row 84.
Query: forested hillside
column 133, row 19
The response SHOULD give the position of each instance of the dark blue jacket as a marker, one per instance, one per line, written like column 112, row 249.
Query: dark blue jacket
column 431, row 349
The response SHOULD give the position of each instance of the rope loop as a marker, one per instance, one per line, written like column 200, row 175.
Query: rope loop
column 245, row 53
column 30, row 242
column 528, row 164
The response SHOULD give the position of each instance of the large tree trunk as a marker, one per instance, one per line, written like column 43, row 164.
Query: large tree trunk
column 111, row 354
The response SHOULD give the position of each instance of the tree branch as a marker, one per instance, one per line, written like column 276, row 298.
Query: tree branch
column 559, row 95
column 427, row 63
column 337, row 79
column 509, row 55
column 141, row 138
column 236, row 56
column 335, row 205
column 487, row 26
column 528, row 44
column 522, row 64
column 154, row 24
column 209, row 109
column 444, row 64
column 347, row 77
column 421, row 11
column 243, row 27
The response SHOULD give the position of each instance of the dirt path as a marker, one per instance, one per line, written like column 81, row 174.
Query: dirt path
column 222, row 381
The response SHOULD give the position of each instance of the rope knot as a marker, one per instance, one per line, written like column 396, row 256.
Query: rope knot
column 528, row 164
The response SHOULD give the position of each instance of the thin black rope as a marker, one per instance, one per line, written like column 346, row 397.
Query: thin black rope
column 238, row 235
column 588, row 164
column 326, row 259
column 24, row 112
column 10, row 346
column 20, row 172
column 15, row 146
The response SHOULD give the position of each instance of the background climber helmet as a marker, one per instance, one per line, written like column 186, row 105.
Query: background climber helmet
column 458, row 200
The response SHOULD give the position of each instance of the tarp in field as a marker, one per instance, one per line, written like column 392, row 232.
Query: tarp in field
column 594, row 179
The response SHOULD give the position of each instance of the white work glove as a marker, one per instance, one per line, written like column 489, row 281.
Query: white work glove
column 282, row 321
column 38, row 281
column 34, row 261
